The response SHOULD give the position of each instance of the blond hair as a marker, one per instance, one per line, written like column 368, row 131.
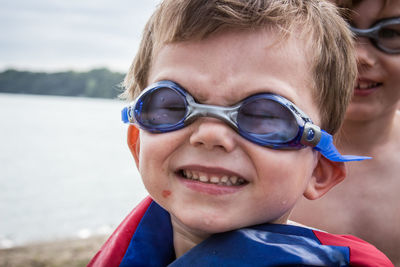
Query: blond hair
column 333, row 64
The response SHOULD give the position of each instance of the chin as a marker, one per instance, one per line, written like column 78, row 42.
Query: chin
column 208, row 224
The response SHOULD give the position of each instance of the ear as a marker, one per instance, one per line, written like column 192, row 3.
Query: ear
column 134, row 142
column 326, row 175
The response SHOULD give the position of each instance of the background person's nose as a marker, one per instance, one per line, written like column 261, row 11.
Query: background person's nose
column 365, row 53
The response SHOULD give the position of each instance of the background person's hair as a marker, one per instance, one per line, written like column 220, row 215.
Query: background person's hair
column 353, row 3
column 330, row 52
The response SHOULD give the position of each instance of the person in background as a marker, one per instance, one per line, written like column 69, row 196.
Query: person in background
column 367, row 203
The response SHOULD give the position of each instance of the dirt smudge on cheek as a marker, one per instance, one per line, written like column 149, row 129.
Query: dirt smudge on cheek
column 166, row 193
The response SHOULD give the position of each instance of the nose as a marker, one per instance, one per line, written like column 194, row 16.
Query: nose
column 365, row 54
column 211, row 133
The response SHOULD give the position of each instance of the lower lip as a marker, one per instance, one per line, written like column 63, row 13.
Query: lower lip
column 211, row 189
column 365, row 92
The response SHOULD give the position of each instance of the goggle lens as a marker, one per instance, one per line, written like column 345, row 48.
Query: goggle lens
column 385, row 35
column 161, row 108
column 267, row 119
column 389, row 37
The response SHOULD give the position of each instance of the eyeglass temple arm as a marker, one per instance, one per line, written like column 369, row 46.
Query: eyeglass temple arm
column 329, row 151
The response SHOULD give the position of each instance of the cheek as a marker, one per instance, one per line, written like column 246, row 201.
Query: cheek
column 156, row 152
column 289, row 173
column 393, row 69
column 152, row 163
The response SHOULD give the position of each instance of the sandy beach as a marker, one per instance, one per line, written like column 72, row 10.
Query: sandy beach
column 60, row 253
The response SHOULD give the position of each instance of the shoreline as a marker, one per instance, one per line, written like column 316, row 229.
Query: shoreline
column 58, row 253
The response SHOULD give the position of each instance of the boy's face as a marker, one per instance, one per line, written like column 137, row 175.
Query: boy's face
column 378, row 88
column 222, row 70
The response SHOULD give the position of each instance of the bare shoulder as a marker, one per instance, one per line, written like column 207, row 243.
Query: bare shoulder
column 397, row 122
column 389, row 155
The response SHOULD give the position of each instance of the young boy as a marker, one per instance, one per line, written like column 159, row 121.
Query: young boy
column 367, row 203
column 230, row 96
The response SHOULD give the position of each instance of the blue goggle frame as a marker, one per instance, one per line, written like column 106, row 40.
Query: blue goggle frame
column 308, row 134
column 373, row 34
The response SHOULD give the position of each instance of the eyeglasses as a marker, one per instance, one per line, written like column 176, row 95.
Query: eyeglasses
column 265, row 119
column 384, row 35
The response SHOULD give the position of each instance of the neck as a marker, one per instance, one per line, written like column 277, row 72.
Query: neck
column 367, row 136
column 184, row 239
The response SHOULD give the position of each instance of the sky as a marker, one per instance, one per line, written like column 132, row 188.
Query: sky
column 59, row 35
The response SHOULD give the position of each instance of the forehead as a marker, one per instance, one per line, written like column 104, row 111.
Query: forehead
column 244, row 62
column 226, row 68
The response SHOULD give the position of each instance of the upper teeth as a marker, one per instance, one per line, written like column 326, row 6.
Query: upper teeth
column 364, row 85
column 214, row 179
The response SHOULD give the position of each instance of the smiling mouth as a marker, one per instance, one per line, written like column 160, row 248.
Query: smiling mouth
column 224, row 180
column 366, row 86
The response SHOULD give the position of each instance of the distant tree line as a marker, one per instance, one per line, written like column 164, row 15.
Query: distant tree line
column 100, row 83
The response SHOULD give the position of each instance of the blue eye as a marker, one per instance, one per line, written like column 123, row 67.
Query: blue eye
column 265, row 117
column 162, row 107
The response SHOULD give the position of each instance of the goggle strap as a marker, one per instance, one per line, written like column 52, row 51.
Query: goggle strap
column 124, row 115
column 329, row 151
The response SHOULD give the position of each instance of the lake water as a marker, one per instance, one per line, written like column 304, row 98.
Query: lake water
column 65, row 168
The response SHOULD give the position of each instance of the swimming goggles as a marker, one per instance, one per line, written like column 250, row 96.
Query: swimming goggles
column 384, row 35
column 265, row 119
